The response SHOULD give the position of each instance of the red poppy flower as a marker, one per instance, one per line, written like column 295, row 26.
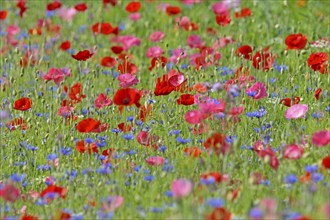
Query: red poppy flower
column 112, row 2
column 29, row 217
column 21, row 5
column 317, row 93
column 124, row 127
column 185, row 99
column 211, row 31
column 54, row 5
column 173, row 10
column 317, row 62
column 23, row 104
column 127, row 97
column 263, row 60
column 223, row 19
column 163, row 87
column 104, row 28
column 215, row 175
column 288, row 102
column 326, row 162
column 75, row 93
column 219, row 214
column 217, row 143
column 295, row 41
column 193, row 151
column 127, row 67
column 90, row 148
column 82, row 55
column 144, row 112
column 64, row 216
column 80, row 7
column 35, row 31
column 108, row 62
column 133, row 7
column 117, row 49
column 91, row 125
column 269, row 155
column 245, row 51
column 107, row 152
column 245, row 12
column 65, row 45
column 162, row 60
column 3, row 14
column 17, row 123
column 60, row 191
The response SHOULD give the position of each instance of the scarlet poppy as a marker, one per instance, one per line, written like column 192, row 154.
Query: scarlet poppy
column 60, row 191
column 127, row 67
column 90, row 148
column 80, row 7
column 17, row 123
column 112, row 2
column 82, row 55
column 245, row 12
column 217, row 143
column 65, row 45
column 162, row 60
column 219, row 214
column 185, row 99
column 35, row 31
column 91, row 125
column 223, row 19
column 117, row 49
column 75, row 93
column 295, row 41
column 317, row 93
column 163, row 87
column 263, row 60
column 173, row 10
column 124, row 127
column 29, row 217
column 193, row 151
column 108, row 62
column 288, row 102
column 133, row 7
column 215, row 175
column 23, row 104
column 21, row 5
column 127, row 97
column 245, row 51
column 54, row 5
column 3, row 14
column 144, row 112
column 317, row 62
column 326, row 162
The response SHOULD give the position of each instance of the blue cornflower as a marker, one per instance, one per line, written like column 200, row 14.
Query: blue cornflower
column 256, row 213
column 317, row 177
column 162, row 148
column 182, row 141
column 128, row 136
column 169, row 193
column 149, row 178
column 89, row 140
column 130, row 118
column 66, row 151
column 17, row 178
column 215, row 203
column 51, row 156
column 290, row 179
column 311, row 168
column 156, row 210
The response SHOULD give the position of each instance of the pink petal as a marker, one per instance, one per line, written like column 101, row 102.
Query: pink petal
column 296, row 111
column 194, row 117
column 181, row 188
column 321, row 138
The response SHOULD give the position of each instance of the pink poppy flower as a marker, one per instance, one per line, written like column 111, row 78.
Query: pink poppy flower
column 296, row 111
column 194, row 41
column 135, row 16
column 154, row 52
column 257, row 91
column 12, row 30
column 219, row 8
column 321, row 138
column 155, row 161
column 57, row 75
column 67, row 14
column 211, row 106
column 65, row 111
column 9, row 193
column 144, row 138
column 127, row 41
column 177, row 54
column 191, row 2
column 222, row 42
column 194, row 117
column 181, row 188
column 183, row 21
column 112, row 203
column 127, row 80
column 175, row 78
column 156, row 36
column 293, row 152
column 102, row 101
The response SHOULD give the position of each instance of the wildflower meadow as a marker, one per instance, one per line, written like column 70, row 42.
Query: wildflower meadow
column 173, row 109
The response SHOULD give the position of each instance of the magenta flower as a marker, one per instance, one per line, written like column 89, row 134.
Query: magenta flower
column 155, row 161
column 293, row 152
column 194, row 41
column 127, row 80
column 9, row 193
column 12, row 30
column 181, row 188
column 321, row 138
column 144, row 138
column 135, row 16
column 127, row 41
column 67, row 14
column 111, row 203
column 175, row 78
column 154, row 52
column 156, row 36
column 219, row 8
column 194, row 117
column 257, row 91
column 102, row 101
column 65, row 111
column 57, row 75
column 178, row 53
column 296, row 111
